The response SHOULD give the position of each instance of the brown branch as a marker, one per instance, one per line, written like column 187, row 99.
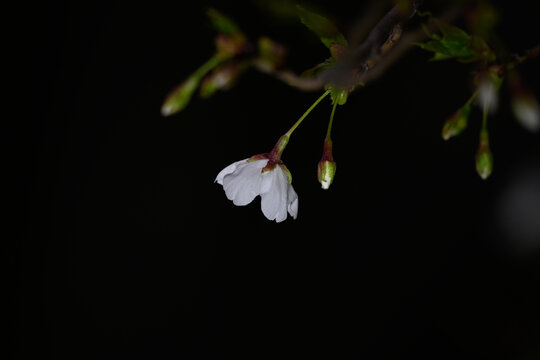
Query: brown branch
column 405, row 44
column 289, row 77
column 385, row 44
column 527, row 54
column 384, row 35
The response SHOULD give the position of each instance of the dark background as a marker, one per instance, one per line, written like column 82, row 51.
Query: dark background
column 126, row 248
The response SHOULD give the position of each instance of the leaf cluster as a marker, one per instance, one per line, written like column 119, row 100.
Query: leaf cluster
column 455, row 43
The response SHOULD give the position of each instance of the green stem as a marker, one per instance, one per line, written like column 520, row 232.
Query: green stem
column 484, row 134
column 205, row 68
column 329, row 130
column 299, row 121
column 284, row 139
column 484, row 120
column 472, row 98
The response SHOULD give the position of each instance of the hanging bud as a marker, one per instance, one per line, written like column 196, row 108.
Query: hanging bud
column 524, row 105
column 229, row 46
column 180, row 97
column 527, row 111
column 455, row 125
column 230, row 40
column 326, row 169
column 484, row 158
column 271, row 53
column 221, row 78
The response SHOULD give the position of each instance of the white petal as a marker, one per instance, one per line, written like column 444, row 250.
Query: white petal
column 292, row 202
column 274, row 200
column 527, row 113
column 487, row 95
column 228, row 170
column 243, row 185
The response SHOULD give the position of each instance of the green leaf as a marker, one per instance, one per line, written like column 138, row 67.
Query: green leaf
column 325, row 30
column 454, row 43
column 338, row 96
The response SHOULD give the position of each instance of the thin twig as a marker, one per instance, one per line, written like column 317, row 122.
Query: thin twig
column 527, row 54
column 359, row 60
column 289, row 77
column 384, row 45
column 405, row 44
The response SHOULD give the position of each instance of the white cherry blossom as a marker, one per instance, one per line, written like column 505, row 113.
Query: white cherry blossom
column 261, row 175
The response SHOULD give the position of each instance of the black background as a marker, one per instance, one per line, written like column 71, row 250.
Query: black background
column 127, row 249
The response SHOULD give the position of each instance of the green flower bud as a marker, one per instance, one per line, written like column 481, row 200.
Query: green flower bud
column 222, row 77
column 271, row 53
column 456, row 123
column 326, row 171
column 484, row 158
column 524, row 104
column 180, row 97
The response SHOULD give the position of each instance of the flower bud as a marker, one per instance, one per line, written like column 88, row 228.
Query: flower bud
column 456, row 123
column 180, row 97
column 222, row 78
column 524, row 105
column 271, row 53
column 326, row 169
column 484, row 158
column 230, row 46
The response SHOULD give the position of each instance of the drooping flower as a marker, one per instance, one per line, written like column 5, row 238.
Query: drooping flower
column 265, row 176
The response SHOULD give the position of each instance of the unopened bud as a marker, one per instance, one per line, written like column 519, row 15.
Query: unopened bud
column 326, row 169
column 524, row 105
column 271, row 53
column 456, row 123
column 230, row 46
column 325, row 172
column 484, row 158
column 527, row 112
column 179, row 98
column 222, row 78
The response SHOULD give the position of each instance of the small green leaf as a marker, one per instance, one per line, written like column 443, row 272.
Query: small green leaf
column 455, row 43
column 339, row 96
column 325, row 30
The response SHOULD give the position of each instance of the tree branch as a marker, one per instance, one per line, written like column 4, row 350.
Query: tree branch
column 354, row 63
